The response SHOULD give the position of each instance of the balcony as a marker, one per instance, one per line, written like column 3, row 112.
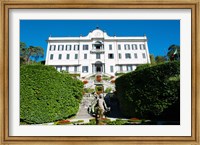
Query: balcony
column 97, row 51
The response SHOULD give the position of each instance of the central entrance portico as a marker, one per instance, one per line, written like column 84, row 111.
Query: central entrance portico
column 98, row 67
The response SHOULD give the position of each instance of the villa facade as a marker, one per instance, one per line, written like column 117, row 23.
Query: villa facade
column 97, row 53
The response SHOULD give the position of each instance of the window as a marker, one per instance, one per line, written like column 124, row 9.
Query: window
column 98, row 56
column 51, row 56
column 111, row 56
column 60, row 47
column 142, row 47
column 85, row 47
column 135, row 55
column 127, row 47
column 129, row 67
column 120, row 55
column 97, row 47
column 84, row 69
column 128, row 56
column 120, row 68
column 76, row 47
column 68, row 47
column 134, row 46
column 143, row 55
column 110, row 47
column 85, row 56
column 60, row 56
column 67, row 56
column 67, row 68
column 63, row 67
column 52, row 47
column 119, row 47
column 58, row 68
column 75, row 68
column 111, row 69
column 76, row 56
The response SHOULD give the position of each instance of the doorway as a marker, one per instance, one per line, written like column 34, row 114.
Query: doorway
column 98, row 69
column 98, row 66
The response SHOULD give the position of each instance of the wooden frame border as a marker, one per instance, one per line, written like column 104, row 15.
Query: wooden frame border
column 44, row 4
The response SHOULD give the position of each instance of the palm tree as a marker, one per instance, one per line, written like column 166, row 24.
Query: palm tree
column 174, row 52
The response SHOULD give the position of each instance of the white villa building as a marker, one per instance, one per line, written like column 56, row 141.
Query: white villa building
column 97, row 53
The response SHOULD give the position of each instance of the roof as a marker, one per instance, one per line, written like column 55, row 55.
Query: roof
column 98, row 34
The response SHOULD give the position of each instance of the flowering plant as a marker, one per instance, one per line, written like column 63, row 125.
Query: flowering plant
column 85, row 81
column 62, row 122
column 112, row 81
column 105, row 120
column 134, row 120
column 112, row 77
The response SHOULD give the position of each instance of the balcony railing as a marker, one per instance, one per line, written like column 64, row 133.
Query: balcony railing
column 97, row 51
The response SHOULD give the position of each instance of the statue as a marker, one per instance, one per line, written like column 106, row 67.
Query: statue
column 101, row 105
column 101, row 109
column 98, row 106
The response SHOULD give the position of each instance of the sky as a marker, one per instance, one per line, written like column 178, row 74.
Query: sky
column 160, row 33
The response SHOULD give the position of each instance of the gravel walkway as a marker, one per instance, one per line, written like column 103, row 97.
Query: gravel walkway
column 83, row 113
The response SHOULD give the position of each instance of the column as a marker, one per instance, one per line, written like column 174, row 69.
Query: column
column 93, row 68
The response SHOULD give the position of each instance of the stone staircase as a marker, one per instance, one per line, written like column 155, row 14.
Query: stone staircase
column 91, row 84
column 93, row 74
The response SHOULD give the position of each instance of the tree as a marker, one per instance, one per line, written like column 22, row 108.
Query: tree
column 152, row 59
column 22, row 53
column 174, row 52
column 160, row 59
column 30, row 53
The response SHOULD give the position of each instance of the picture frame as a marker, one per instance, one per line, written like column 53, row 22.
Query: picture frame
column 6, row 5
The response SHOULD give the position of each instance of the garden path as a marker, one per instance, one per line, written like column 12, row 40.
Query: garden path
column 83, row 113
column 86, row 101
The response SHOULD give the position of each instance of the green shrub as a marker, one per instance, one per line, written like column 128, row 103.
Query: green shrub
column 88, row 90
column 119, row 74
column 99, row 88
column 106, row 78
column 91, row 122
column 47, row 95
column 143, row 66
column 108, row 90
column 117, row 122
column 151, row 91
column 75, row 75
column 80, row 121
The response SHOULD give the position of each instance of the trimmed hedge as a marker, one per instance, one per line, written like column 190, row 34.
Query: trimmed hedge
column 143, row 66
column 47, row 95
column 150, row 92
